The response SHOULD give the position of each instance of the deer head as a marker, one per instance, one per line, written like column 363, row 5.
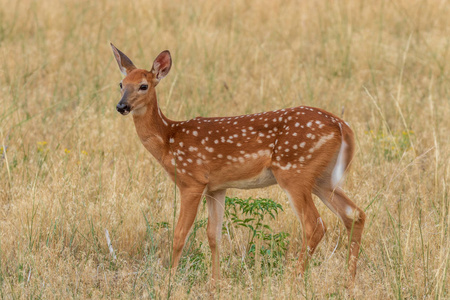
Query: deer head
column 138, row 86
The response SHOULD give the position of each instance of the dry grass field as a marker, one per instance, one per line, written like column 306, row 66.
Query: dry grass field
column 71, row 166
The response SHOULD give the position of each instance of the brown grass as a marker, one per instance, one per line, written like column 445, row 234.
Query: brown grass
column 72, row 167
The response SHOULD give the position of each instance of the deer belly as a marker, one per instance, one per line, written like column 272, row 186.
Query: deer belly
column 263, row 179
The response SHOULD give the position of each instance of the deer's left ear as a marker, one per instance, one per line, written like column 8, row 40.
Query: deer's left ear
column 125, row 64
column 162, row 65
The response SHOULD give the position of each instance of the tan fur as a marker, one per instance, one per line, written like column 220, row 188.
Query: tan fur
column 294, row 147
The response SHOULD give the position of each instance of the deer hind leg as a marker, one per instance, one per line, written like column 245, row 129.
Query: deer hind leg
column 190, row 200
column 216, row 208
column 351, row 215
column 313, row 226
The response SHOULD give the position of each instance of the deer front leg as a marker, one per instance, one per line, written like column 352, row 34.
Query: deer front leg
column 216, row 207
column 190, row 200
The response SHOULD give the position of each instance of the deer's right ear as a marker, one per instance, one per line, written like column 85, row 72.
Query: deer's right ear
column 125, row 64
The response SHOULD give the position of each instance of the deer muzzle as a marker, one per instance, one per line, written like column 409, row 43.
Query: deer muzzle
column 123, row 107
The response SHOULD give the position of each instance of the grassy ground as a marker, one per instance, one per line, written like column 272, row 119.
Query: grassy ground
column 71, row 166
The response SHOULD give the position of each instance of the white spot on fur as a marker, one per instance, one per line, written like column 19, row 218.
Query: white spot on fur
column 286, row 167
column 264, row 152
column 322, row 141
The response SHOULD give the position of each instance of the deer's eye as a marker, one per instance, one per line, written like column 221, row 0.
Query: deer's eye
column 120, row 84
column 143, row 87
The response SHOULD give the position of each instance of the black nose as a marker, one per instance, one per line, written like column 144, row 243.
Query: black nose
column 123, row 108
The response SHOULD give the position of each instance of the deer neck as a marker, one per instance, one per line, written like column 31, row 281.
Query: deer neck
column 153, row 128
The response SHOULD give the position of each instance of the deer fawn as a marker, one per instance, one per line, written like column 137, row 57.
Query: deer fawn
column 303, row 149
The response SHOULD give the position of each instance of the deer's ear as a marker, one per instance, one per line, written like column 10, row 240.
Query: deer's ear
column 162, row 65
column 125, row 64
